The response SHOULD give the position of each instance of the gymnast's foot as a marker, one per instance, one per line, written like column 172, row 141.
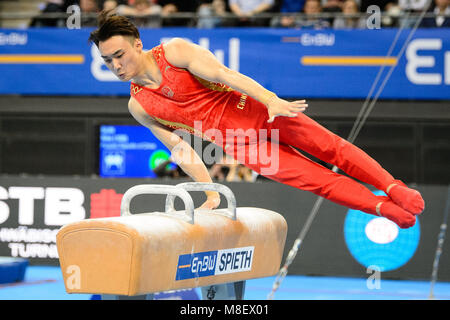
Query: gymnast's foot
column 388, row 209
column 407, row 198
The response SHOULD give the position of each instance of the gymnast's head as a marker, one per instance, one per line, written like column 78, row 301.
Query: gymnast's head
column 119, row 43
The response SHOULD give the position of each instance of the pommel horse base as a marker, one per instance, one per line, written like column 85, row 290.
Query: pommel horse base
column 136, row 255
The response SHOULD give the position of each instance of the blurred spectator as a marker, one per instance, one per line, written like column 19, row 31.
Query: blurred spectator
column 210, row 14
column 51, row 6
column 312, row 21
column 332, row 7
column 171, row 7
column 389, row 8
column 143, row 13
column 231, row 170
column 288, row 8
column 248, row 11
column 416, row 5
column 68, row 3
column 169, row 169
column 238, row 172
column 109, row 5
column 88, row 8
column 409, row 11
column 349, row 8
column 364, row 4
column 441, row 9
column 309, row 20
column 392, row 14
column 292, row 6
column 216, row 172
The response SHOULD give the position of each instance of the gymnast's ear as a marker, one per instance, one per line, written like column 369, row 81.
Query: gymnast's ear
column 137, row 44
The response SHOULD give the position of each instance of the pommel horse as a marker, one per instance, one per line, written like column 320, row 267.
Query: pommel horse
column 134, row 256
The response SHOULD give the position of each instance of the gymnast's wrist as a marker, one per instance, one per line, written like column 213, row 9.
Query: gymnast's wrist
column 267, row 97
column 212, row 194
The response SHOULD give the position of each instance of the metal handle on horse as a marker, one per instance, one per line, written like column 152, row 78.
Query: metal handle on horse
column 171, row 191
column 204, row 186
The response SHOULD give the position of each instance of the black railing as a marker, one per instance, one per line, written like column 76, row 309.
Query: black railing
column 190, row 18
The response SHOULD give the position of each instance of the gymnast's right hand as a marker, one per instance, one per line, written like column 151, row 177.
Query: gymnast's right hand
column 212, row 201
column 279, row 107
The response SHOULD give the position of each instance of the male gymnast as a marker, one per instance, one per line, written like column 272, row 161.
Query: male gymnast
column 177, row 83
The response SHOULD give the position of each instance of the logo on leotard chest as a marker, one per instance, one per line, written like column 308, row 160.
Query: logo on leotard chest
column 242, row 101
column 167, row 92
column 135, row 90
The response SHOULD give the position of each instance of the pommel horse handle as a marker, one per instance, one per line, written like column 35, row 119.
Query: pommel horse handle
column 171, row 191
column 205, row 186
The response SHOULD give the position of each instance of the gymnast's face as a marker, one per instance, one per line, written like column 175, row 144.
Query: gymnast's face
column 122, row 55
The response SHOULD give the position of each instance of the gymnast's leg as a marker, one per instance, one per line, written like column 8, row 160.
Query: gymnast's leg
column 298, row 171
column 304, row 133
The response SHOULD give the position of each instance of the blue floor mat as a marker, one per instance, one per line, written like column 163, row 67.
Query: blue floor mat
column 46, row 283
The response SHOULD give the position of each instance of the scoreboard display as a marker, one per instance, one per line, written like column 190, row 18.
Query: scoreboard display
column 130, row 151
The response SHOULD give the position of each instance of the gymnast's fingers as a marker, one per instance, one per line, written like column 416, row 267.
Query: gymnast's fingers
column 297, row 109
column 300, row 103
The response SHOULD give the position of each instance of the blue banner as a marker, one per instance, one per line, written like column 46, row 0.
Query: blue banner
column 292, row 63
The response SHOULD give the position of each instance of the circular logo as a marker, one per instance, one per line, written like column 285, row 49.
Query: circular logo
column 376, row 241
column 381, row 230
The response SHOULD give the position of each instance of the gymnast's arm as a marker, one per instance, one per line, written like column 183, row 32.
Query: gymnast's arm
column 203, row 63
column 181, row 152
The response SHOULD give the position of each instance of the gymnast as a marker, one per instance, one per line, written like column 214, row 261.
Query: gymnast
column 178, row 83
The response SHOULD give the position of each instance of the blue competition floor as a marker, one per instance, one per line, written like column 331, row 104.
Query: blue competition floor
column 46, row 283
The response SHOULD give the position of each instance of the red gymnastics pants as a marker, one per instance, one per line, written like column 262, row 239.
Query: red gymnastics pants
column 296, row 170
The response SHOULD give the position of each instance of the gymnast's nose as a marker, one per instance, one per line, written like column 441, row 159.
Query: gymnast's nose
column 116, row 65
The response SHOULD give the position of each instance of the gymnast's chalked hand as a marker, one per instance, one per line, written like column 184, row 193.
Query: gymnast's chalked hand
column 279, row 107
column 212, row 202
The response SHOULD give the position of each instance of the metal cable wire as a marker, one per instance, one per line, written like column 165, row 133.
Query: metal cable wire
column 359, row 123
column 440, row 244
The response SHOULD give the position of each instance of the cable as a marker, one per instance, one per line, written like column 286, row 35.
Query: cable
column 359, row 123
column 363, row 110
column 441, row 238
column 380, row 90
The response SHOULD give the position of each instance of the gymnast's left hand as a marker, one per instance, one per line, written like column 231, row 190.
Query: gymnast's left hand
column 280, row 107
column 212, row 201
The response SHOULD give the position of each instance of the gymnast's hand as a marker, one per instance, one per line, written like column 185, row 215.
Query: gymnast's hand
column 212, row 201
column 279, row 107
